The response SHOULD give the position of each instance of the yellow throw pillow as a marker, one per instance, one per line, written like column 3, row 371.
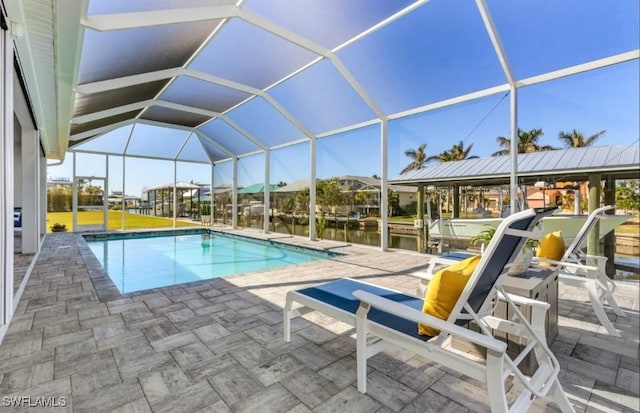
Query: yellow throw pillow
column 443, row 291
column 551, row 247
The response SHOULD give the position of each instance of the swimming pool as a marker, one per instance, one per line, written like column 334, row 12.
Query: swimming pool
column 137, row 262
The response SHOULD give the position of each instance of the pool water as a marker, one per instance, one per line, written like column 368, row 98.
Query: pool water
column 137, row 263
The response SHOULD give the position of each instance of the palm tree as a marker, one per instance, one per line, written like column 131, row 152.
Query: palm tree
column 418, row 158
column 527, row 143
column 456, row 153
column 575, row 139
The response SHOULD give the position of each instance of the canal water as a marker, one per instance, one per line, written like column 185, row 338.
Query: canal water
column 371, row 237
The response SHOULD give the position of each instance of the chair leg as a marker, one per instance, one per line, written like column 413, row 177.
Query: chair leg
column 608, row 293
column 592, row 288
column 560, row 397
column 287, row 319
column 361, row 349
column 614, row 304
column 609, row 287
column 495, row 383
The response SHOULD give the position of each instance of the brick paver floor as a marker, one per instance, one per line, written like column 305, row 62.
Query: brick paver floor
column 217, row 345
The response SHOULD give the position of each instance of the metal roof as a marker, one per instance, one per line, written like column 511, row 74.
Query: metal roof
column 297, row 186
column 171, row 185
column 256, row 188
column 209, row 80
column 575, row 164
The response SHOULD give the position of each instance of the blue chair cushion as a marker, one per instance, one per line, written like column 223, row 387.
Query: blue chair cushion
column 17, row 217
column 339, row 293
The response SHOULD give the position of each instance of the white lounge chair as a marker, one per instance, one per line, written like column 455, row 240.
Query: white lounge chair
column 588, row 271
column 393, row 318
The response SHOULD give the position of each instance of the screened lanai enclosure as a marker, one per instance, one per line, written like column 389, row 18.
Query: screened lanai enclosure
column 232, row 94
column 268, row 91
column 324, row 105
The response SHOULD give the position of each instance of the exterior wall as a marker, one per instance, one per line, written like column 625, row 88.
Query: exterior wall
column 17, row 163
column 42, row 222
column 406, row 198
column 6, row 177
column 27, row 171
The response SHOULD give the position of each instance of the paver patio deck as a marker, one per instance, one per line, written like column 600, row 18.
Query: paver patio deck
column 217, row 345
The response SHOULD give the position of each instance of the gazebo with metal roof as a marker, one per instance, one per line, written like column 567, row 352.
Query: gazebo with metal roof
column 174, row 191
column 576, row 164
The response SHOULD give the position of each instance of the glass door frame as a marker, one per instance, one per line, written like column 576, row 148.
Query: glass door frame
column 76, row 208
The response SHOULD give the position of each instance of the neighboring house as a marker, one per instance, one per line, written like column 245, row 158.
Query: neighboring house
column 371, row 187
column 58, row 182
column 562, row 194
column 369, row 202
column 159, row 198
column 115, row 200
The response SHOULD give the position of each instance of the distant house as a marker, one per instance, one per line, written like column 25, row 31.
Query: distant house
column 58, row 182
column 367, row 203
column 115, row 200
column 371, row 187
column 159, row 198
column 562, row 194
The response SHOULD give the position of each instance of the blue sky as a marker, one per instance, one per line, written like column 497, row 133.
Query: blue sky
column 432, row 67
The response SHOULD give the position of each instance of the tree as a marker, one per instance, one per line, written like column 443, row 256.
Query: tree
column 456, row 153
column 628, row 195
column 329, row 195
column 527, row 143
column 221, row 200
column 59, row 198
column 418, row 158
column 361, row 197
column 575, row 139
column 303, row 198
column 393, row 201
column 288, row 204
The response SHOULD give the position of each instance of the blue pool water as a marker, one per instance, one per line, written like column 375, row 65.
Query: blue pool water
column 137, row 263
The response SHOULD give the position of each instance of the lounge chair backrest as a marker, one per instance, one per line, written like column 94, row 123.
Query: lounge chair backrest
column 574, row 249
column 501, row 251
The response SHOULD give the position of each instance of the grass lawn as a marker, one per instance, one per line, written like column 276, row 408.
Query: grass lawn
column 132, row 221
column 631, row 227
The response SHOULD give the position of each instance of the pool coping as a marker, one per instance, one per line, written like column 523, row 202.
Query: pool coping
column 105, row 288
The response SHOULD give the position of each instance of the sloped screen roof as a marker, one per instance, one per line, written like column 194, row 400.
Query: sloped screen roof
column 252, row 75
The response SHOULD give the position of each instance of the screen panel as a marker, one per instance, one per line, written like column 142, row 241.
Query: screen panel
column 228, row 137
column 264, row 122
column 430, row 55
column 156, row 141
column 327, row 22
column 189, row 91
column 545, row 35
column 251, row 55
column 112, row 142
column 321, row 99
